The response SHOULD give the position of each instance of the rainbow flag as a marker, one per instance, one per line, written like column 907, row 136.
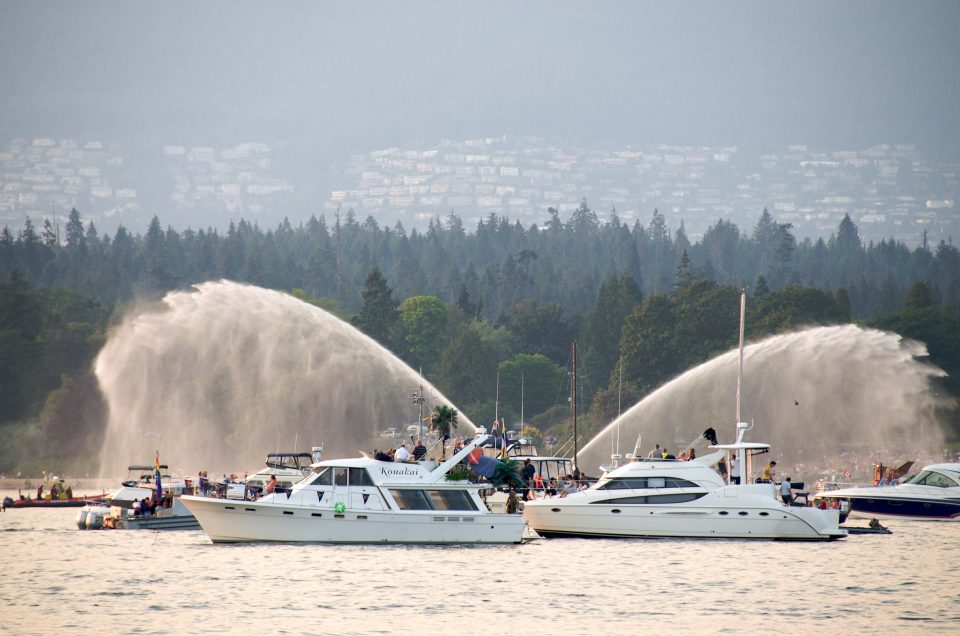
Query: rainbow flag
column 156, row 474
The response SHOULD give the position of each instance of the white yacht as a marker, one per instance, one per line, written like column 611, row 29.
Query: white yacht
column 673, row 498
column 364, row 500
column 933, row 493
column 288, row 468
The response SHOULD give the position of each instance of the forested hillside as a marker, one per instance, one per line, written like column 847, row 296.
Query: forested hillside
column 463, row 306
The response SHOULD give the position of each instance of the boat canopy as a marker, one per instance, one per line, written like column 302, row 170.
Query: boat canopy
column 296, row 461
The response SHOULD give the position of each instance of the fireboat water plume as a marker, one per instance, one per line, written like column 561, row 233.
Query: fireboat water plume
column 218, row 377
column 811, row 394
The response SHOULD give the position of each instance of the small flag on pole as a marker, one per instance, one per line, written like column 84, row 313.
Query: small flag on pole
column 156, row 474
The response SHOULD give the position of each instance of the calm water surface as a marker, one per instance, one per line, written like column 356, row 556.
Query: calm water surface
column 59, row 580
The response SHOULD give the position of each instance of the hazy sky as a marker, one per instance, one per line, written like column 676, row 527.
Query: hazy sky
column 360, row 75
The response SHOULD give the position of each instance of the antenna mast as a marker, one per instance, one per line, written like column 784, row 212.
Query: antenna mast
column 743, row 310
column 619, row 392
column 574, row 404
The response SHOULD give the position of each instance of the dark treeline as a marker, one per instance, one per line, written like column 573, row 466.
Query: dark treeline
column 497, row 265
column 465, row 307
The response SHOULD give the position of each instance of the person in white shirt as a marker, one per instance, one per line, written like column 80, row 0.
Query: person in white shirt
column 734, row 471
column 402, row 454
column 785, row 492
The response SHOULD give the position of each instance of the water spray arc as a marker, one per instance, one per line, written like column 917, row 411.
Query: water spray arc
column 860, row 389
column 215, row 376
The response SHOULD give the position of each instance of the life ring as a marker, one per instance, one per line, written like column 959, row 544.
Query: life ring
column 339, row 507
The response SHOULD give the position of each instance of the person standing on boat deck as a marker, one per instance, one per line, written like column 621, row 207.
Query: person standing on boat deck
column 656, row 453
column 785, row 492
column 769, row 472
column 419, row 451
column 527, row 472
column 734, row 473
column 402, row 453
column 271, row 485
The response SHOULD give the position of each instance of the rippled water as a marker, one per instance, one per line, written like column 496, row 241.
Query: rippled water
column 57, row 579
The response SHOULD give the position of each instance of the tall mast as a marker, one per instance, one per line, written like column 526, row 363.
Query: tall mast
column 496, row 402
column 574, row 404
column 418, row 399
column 741, row 453
column 522, row 424
column 743, row 310
column 619, row 392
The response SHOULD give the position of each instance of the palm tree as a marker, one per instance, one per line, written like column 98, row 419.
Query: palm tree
column 443, row 420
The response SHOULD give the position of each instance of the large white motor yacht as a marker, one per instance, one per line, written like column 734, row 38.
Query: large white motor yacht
column 671, row 498
column 364, row 500
column 933, row 493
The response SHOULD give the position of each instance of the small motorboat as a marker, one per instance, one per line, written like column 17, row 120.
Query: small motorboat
column 118, row 510
column 59, row 502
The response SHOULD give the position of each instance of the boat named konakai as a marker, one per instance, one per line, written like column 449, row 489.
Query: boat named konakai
column 364, row 500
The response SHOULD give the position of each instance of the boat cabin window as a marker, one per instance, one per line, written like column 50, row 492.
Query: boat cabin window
column 637, row 483
column 327, row 476
column 411, row 499
column 324, row 477
column 452, row 500
column 930, row 478
column 360, row 477
column 680, row 497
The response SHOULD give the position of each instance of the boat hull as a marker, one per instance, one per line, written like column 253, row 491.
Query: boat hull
column 76, row 502
column 227, row 521
column 180, row 522
column 905, row 501
column 713, row 516
column 904, row 508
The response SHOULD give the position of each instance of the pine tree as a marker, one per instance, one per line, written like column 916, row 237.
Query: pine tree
column 378, row 317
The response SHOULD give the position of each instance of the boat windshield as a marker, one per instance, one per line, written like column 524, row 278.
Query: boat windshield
column 931, row 478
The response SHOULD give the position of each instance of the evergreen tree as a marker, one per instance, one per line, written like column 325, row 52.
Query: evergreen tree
column 918, row 296
column 75, row 235
column 378, row 317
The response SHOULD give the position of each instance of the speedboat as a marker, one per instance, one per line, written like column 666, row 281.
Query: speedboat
column 676, row 498
column 117, row 511
column 365, row 500
column 933, row 493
